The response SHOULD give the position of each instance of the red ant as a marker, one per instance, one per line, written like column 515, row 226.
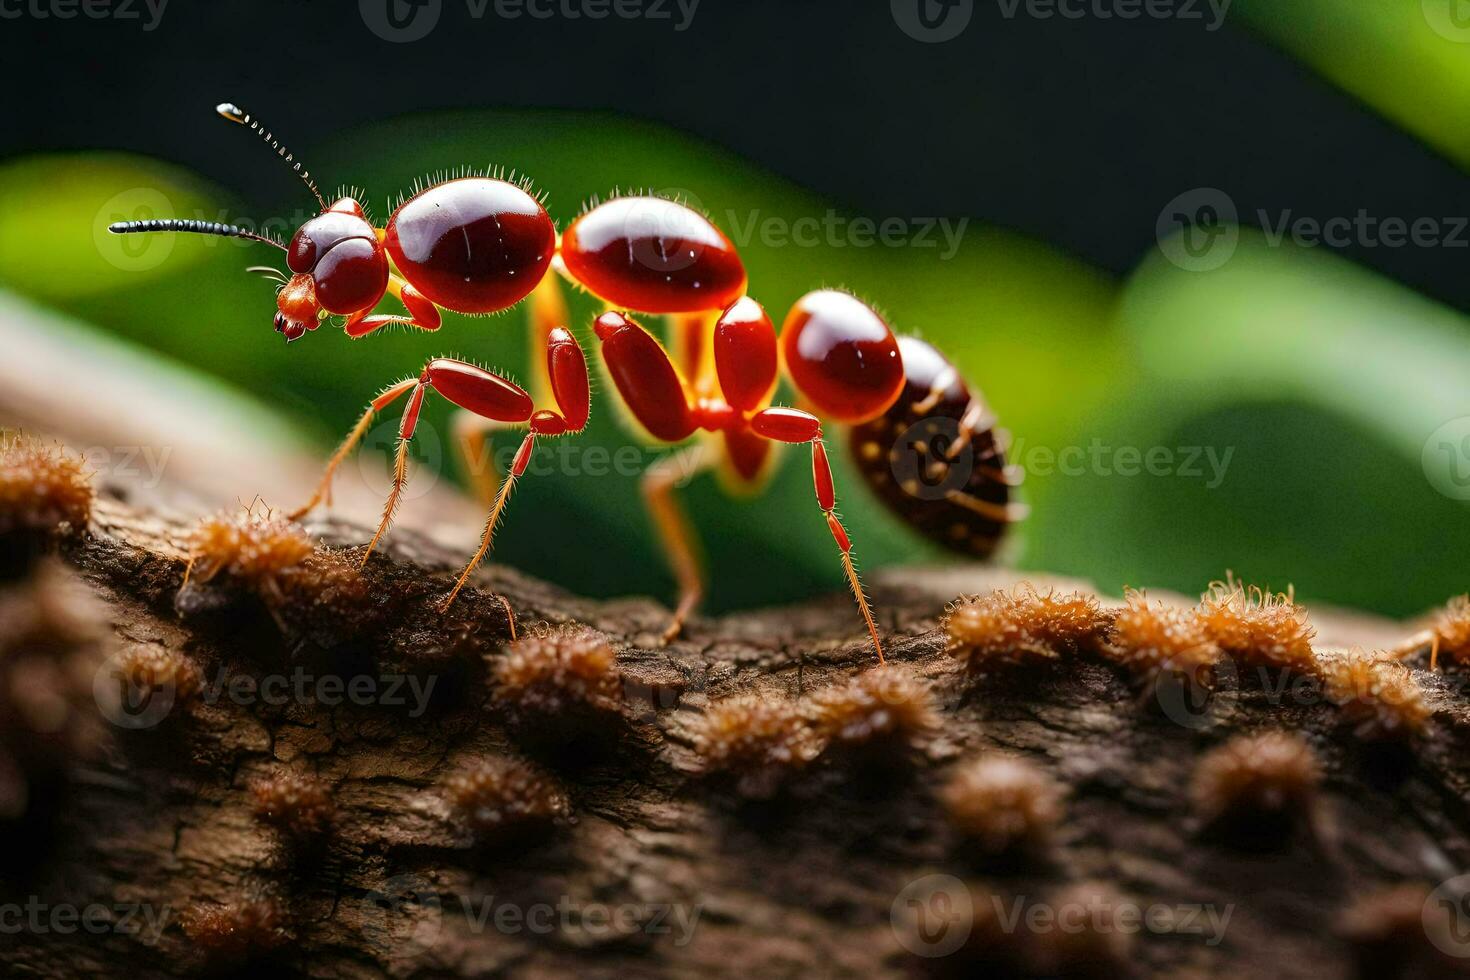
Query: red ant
column 481, row 244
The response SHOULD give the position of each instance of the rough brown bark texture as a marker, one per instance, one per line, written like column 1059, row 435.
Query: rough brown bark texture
column 665, row 872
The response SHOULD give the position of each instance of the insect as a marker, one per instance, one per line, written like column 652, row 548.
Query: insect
column 924, row 440
column 476, row 244
column 482, row 244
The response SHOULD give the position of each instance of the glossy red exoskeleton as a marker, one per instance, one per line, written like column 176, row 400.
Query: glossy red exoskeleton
column 479, row 244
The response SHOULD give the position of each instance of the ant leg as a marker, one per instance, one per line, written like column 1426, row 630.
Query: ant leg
column 548, row 310
column 422, row 313
column 487, row 536
column 476, row 453
column 543, row 423
column 676, row 535
column 400, row 463
column 794, row 426
column 566, row 369
column 466, row 386
column 650, row 386
column 324, row 488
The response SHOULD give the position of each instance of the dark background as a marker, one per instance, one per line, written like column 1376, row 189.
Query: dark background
column 1073, row 131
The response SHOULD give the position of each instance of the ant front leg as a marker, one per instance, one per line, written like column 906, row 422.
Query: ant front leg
column 422, row 313
column 323, row 491
column 465, row 385
column 794, row 426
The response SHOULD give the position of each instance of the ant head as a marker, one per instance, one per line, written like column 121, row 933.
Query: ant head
column 337, row 260
column 338, row 265
column 842, row 356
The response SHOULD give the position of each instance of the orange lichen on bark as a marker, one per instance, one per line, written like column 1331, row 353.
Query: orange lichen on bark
column 1020, row 625
column 156, row 668
column 554, row 672
column 253, row 548
column 499, row 794
column 1452, row 632
column 297, row 804
column 1152, row 639
column 53, row 638
column 236, row 932
column 887, row 704
column 42, row 487
column 759, row 740
column 1004, row 803
column 1257, row 627
column 1376, row 696
column 1254, row 775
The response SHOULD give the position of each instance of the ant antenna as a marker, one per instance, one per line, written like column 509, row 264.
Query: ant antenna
column 190, row 225
column 235, row 114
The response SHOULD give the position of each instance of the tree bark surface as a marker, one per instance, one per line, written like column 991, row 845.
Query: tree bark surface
column 692, row 880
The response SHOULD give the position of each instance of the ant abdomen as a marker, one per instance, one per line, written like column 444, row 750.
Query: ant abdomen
column 934, row 457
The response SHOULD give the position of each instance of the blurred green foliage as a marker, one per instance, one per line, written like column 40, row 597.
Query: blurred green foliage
column 1319, row 380
column 1409, row 59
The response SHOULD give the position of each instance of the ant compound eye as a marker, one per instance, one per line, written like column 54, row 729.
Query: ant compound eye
column 842, row 356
